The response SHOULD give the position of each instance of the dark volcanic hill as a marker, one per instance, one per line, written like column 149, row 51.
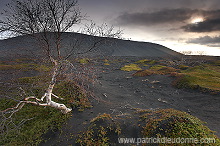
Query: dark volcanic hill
column 29, row 46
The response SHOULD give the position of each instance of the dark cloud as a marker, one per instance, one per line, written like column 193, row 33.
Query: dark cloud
column 175, row 18
column 206, row 26
column 210, row 24
column 154, row 18
column 206, row 40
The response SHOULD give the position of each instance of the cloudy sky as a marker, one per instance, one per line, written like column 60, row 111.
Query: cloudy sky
column 181, row 25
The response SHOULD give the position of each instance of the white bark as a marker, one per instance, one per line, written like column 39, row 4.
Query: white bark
column 47, row 96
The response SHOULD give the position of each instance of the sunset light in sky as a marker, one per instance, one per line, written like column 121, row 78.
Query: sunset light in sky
column 180, row 25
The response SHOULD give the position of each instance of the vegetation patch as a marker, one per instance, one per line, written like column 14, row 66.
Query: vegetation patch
column 105, row 129
column 102, row 131
column 200, row 77
column 157, row 67
column 106, row 64
column 73, row 95
column 84, row 61
column 151, row 62
column 106, row 60
column 215, row 63
column 27, row 126
column 144, row 61
column 25, row 67
column 183, row 67
column 161, row 70
column 167, row 70
column 205, row 77
column 131, row 67
column 173, row 124
column 143, row 73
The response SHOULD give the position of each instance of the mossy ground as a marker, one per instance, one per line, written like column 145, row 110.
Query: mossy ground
column 105, row 129
column 83, row 60
column 131, row 67
column 205, row 77
column 28, row 125
column 102, row 131
column 24, row 65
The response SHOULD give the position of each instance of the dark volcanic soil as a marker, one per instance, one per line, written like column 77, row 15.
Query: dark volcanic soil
column 117, row 92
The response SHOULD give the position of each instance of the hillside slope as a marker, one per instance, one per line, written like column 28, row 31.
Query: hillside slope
column 28, row 46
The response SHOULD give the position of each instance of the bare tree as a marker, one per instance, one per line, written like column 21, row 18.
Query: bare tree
column 39, row 17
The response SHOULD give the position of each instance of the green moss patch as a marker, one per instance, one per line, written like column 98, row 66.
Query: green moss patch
column 205, row 77
column 160, row 70
column 105, row 129
column 144, row 61
column 131, row 67
column 183, row 67
column 28, row 125
column 106, row 64
column 152, row 62
column 201, row 77
column 102, row 131
column 84, row 61
column 24, row 64
column 143, row 73
column 25, row 67
column 174, row 124
column 157, row 67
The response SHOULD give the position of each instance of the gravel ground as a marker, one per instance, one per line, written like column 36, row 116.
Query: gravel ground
column 117, row 92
